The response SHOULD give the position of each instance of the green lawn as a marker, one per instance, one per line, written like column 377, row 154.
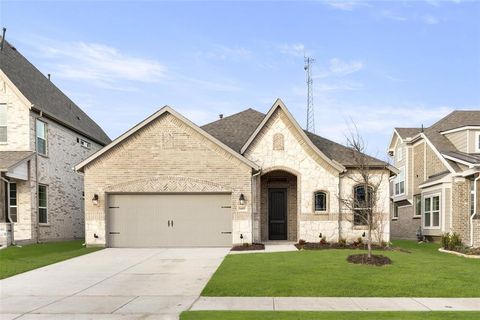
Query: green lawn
column 15, row 260
column 293, row 315
column 424, row 272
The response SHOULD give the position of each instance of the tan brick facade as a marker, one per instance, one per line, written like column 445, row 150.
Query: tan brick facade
column 166, row 156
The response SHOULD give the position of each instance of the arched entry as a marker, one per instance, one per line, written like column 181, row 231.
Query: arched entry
column 278, row 207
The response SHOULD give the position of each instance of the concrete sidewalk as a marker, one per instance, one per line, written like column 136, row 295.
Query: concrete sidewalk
column 336, row 304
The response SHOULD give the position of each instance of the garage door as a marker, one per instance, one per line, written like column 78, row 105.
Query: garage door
column 169, row 220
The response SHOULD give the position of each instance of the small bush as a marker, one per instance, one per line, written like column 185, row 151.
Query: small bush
column 451, row 241
column 323, row 240
column 342, row 241
column 301, row 242
column 360, row 240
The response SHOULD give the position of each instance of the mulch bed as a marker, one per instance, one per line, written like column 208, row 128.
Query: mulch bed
column 249, row 247
column 335, row 245
column 466, row 250
column 375, row 260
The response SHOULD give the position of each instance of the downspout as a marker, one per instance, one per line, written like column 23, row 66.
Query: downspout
column 12, row 229
column 37, row 223
column 254, row 201
column 474, row 208
column 340, row 176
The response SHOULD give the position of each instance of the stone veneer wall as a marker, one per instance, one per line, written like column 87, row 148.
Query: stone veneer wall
column 418, row 166
column 313, row 174
column 434, row 165
column 167, row 155
column 461, row 208
column 280, row 179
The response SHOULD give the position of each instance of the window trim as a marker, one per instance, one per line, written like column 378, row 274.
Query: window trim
column 395, row 211
column 431, row 196
column 477, row 141
column 315, row 201
column 395, row 183
column 415, row 213
column 37, row 137
column 355, row 187
column 6, row 123
column 46, row 202
column 10, row 206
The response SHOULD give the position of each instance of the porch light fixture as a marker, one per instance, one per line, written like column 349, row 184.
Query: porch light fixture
column 95, row 199
column 241, row 200
column 320, row 235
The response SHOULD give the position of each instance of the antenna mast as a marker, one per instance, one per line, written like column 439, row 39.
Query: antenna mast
column 310, row 112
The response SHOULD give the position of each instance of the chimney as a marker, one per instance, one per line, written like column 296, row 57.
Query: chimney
column 3, row 38
column 422, row 128
column 220, row 116
column 48, row 77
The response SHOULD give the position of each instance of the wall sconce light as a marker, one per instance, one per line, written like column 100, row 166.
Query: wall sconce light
column 95, row 199
column 241, row 200
column 363, row 235
column 320, row 235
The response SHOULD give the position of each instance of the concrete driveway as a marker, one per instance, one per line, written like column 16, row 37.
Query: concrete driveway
column 112, row 284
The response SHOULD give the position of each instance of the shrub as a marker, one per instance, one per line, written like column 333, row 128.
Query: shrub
column 360, row 240
column 451, row 241
column 342, row 241
column 323, row 240
column 301, row 242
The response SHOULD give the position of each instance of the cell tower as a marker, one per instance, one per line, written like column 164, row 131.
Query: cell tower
column 310, row 112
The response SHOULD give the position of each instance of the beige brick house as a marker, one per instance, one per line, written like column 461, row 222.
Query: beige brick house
column 437, row 189
column 43, row 134
column 248, row 177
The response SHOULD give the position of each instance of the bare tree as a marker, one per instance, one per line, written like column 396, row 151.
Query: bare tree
column 365, row 201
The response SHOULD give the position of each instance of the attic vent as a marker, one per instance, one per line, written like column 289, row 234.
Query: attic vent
column 278, row 143
column 78, row 117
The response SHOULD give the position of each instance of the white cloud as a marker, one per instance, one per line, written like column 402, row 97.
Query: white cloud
column 222, row 52
column 393, row 16
column 101, row 64
column 347, row 5
column 429, row 19
column 293, row 49
column 339, row 67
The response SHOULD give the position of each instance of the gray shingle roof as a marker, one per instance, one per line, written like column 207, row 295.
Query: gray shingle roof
column 473, row 158
column 235, row 130
column 436, row 177
column 408, row 132
column 46, row 96
column 11, row 158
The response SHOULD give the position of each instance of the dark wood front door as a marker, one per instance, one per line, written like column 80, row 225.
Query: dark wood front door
column 277, row 214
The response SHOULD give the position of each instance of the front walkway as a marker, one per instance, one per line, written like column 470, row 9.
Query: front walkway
column 112, row 284
column 335, row 304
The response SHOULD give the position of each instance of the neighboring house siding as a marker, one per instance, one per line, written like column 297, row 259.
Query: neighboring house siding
column 65, row 186
column 17, row 118
column 473, row 141
column 459, row 140
column 166, row 156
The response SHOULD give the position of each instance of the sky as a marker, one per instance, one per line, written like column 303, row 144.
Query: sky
column 378, row 64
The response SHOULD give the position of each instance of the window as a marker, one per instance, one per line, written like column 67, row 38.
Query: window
column 399, row 154
column 417, row 202
column 42, row 204
column 472, row 197
column 400, row 182
column 278, row 141
column 85, row 143
column 41, row 137
column 13, row 202
column 3, row 122
column 431, row 212
column 362, row 204
column 395, row 211
column 320, row 201
column 477, row 142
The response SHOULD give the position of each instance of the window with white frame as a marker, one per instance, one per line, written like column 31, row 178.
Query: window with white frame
column 395, row 211
column 13, row 201
column 399, row 154
column 362, row 204
column 431, row 211
column 41, row 128
column 472, row 197
column 417, row 202
column 477, row 142
column 399, row 185
column 320, row 201
column 3, row 122
column 42, row 204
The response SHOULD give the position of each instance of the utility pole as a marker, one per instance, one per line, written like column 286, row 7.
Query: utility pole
column 310, row 112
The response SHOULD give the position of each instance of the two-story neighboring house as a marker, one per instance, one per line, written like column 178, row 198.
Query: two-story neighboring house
column 43, row 134
column 437, row 190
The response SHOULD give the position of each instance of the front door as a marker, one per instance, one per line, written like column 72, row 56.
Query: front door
column 277, row 214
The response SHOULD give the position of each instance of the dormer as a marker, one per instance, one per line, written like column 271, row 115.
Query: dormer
column 465, row 139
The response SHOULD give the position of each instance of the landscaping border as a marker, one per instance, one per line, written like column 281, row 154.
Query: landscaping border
column 470, row 256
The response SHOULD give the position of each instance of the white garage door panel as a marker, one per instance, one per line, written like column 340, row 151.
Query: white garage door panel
column 169, row 220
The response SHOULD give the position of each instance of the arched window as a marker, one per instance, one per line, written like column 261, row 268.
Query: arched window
column 320, row 198
column 363, row 203
column 278, row 141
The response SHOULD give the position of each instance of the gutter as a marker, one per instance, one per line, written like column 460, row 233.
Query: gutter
column 12, row 230
column 474, row 208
